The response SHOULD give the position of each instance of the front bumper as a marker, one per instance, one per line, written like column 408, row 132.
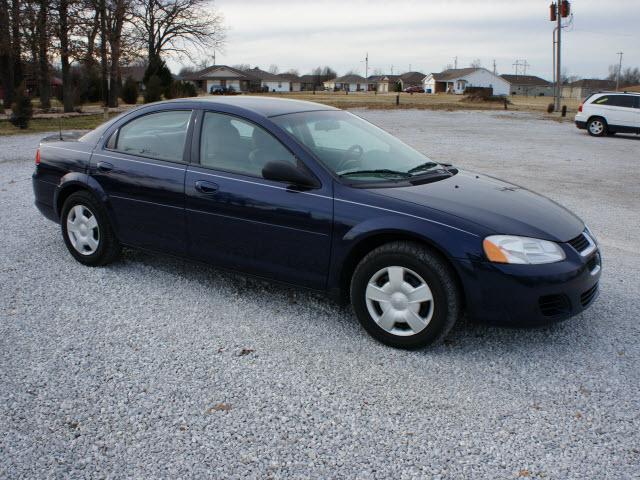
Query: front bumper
column 531, row 295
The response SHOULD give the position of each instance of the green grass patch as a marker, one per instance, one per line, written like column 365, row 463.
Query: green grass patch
column 78, row 122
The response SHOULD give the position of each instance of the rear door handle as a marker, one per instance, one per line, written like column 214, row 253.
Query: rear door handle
column 105, row 166
column 208, row 188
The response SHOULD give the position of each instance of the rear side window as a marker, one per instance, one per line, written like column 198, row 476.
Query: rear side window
column 159, row 135
column 234, row 145
column 627, row 101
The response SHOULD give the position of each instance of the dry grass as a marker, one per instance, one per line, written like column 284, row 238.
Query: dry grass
column 423, row 101
column 50, row 122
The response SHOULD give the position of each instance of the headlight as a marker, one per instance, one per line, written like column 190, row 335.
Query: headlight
column 521, row 250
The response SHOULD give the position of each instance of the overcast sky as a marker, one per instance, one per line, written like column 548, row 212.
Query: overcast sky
column 426, row 35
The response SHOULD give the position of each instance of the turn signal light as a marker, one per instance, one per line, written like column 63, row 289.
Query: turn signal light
column 38, row 157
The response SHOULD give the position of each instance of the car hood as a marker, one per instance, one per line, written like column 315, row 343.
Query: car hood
column 496, row 205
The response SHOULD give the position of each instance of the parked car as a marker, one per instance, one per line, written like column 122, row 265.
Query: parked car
column 414, row 89
column 316, row 197
column 608, row 113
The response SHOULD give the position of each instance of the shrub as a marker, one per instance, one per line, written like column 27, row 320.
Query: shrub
column 180, row 89
column 153, row 92
column 21, row 109
column 129, row 91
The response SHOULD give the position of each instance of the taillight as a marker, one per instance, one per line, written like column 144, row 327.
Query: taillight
column 38, row 157
column 580, row 108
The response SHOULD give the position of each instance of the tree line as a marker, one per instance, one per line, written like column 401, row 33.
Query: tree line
column 91, row 40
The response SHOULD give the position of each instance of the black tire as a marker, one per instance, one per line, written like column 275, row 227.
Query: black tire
column 437, row 274
column 597, row 127
column 108, row 248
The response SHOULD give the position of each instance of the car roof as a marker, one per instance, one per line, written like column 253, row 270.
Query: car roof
column 609, row 92
column 266, row 106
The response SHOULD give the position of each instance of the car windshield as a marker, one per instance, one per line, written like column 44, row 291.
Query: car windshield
column 355, row 149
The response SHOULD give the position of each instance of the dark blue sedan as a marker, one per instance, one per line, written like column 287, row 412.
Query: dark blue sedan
column 316, row 197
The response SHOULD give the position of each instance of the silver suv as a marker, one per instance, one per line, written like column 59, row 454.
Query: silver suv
column 607, row 113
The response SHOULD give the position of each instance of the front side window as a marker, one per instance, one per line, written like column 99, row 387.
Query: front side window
column 354, row 148
column 159, row 135
column 235, row 145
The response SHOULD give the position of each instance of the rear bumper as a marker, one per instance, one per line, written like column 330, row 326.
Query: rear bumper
column 530, row 295
column 44, row 192
column 581, row 125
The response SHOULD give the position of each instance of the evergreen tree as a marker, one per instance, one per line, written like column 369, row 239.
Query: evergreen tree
column 22, row 110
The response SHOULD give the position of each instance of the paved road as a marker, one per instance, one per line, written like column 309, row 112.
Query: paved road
column 155, row 367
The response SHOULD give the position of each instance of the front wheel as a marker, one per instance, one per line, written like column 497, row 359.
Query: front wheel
column 405, row 295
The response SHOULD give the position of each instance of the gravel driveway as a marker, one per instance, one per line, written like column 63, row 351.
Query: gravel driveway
column 156, row 367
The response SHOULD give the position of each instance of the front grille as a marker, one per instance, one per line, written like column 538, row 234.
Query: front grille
column 588, row 296
column 580, row 243
column 552, row 305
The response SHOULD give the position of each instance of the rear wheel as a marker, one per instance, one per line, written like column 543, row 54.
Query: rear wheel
column 405, row 295
column 597, row 127
column 86, row 230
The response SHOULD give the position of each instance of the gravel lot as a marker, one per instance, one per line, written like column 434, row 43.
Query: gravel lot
column 155, row 367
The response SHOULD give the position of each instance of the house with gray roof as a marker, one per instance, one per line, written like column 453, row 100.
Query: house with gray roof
column 528, row 85
column 218, row 77
column 349, row 83
column 456, row 80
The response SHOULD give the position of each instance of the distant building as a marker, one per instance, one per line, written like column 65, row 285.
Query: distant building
column 349, row 83
column 581, row 89
column 223, row 77
column 293, row 80
column 457, row 80
column 135, row 72
column 411, row 79
column 528, row 85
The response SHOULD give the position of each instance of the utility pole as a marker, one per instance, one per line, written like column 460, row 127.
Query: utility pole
column 494, row 67
column 558, row 50
column 516, row 64
column 455, row 63
column 525, row 65
column 391, row 69
column 366, row 66
column 619, row 70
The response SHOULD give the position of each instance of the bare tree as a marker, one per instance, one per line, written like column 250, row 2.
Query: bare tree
column 116, row 16
column 628, row 76
column 63, row 35
column 477, row 63
column 178, row 26
column 42, row 30
column 6, row 57
column 273, row 68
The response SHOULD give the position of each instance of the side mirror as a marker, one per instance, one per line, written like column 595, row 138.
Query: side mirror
column 279, row 171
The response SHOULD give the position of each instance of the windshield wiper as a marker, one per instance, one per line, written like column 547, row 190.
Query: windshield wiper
column 380, row 171
column 423, row 166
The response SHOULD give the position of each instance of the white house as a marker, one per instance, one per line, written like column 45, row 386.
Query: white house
column 271, row 82
column 350, row 83
column 457, row 80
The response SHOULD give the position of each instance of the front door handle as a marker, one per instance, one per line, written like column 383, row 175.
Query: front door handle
column 208, row 188
column 105, row 166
